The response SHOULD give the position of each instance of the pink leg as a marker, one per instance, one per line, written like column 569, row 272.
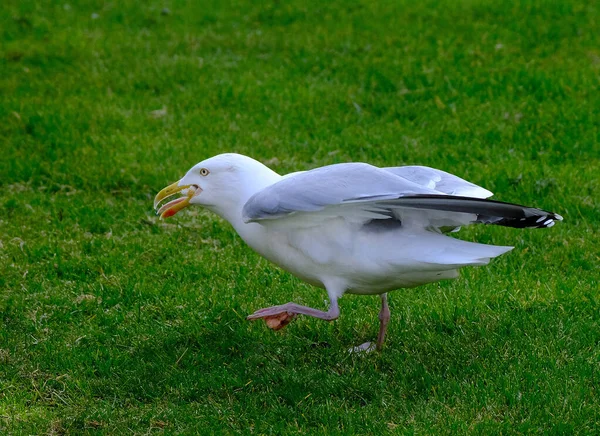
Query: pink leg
column 384, row 318
column 277, row 317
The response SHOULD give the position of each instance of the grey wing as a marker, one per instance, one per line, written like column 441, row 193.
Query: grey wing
column 328, row 187
column 362, row 193
column 440, row 181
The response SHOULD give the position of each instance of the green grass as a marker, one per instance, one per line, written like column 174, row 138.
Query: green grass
column 113, row 322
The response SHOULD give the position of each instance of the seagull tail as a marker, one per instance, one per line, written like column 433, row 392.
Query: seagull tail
column 486, row 211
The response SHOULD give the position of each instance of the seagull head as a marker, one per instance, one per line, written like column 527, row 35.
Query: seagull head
column 221, row 183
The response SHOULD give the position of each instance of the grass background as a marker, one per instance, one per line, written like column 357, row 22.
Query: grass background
column 113, row 322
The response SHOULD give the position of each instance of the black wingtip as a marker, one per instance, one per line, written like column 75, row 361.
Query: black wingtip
column 486, row 211
column 539, row 220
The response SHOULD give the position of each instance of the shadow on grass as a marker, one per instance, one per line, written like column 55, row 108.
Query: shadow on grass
column 434, row 355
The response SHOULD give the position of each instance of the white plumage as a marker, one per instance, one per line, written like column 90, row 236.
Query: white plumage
column 350, row 227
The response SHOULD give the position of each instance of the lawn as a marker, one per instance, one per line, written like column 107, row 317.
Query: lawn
column 112, row 321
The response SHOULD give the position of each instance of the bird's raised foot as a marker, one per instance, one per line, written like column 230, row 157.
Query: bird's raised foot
column 277, row 322
column 276, row 317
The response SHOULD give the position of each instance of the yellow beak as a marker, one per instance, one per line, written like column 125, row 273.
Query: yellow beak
column 172, row 207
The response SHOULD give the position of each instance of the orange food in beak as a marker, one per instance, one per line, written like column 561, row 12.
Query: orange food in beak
column 172, row 207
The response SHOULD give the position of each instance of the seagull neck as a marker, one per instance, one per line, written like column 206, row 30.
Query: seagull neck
column 253, row 234
column 232, row 209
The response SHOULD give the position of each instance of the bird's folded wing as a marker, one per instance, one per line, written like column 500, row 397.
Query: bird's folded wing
column 440, row 181
column 361, row 193
column 333, row 185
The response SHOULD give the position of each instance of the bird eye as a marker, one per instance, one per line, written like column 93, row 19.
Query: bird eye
column 204, row 172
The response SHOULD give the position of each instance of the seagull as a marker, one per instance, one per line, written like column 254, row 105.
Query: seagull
column 351, row 227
